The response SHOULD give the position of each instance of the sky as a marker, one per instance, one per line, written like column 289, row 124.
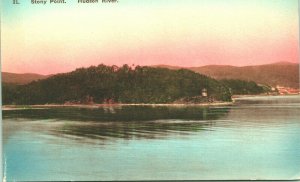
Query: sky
column 55, row 38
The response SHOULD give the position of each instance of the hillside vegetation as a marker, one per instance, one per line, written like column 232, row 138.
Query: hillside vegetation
column 240, row 87
column 112, row 84
column 282, row 74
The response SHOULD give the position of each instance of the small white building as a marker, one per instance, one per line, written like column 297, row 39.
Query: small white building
column 204, row 92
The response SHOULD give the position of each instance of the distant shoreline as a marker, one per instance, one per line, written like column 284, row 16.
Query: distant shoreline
column 260, row 95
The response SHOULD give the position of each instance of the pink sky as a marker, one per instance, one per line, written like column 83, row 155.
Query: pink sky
column 63, row 39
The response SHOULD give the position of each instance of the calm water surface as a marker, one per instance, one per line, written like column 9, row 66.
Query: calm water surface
column 256, row 138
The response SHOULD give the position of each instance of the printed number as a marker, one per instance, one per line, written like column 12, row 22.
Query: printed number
column 15, row 2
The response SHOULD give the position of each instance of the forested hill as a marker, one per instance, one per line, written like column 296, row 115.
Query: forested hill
column 281, row 73
column 113, row 84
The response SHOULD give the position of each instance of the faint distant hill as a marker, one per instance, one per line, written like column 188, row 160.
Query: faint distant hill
column 21, row 79
column 281, row 73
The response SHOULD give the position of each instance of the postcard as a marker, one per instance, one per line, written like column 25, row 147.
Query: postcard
column 109, row 90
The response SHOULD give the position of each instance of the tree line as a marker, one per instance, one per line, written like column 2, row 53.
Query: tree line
column 112, row 84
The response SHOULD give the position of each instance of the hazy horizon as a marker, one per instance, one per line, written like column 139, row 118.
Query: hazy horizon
column 57, row 38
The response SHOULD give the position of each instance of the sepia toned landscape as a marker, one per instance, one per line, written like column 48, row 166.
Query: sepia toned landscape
column 150, row 90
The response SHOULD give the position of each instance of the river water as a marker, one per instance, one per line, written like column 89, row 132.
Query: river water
column 256, row 138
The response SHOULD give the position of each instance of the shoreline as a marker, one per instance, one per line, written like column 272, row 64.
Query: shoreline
column 7, row 107
column 41, row 106
column 261, row 95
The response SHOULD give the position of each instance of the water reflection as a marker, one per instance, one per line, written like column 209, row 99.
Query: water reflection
column 108, row 123
column 250, row 140
column 133, row 130
column 266, row 110
column 125, row 113
column 148, row 122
